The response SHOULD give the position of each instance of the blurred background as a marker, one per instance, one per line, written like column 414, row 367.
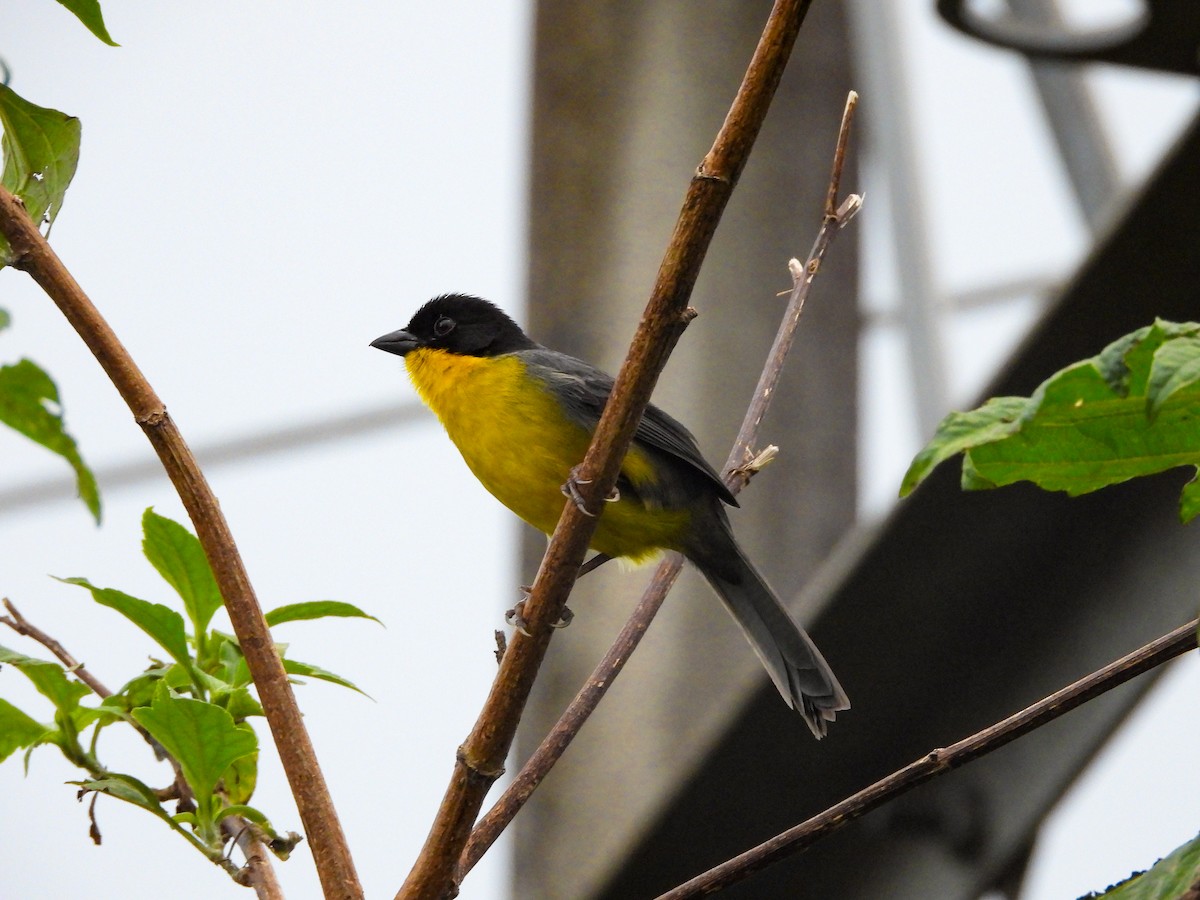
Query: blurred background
column 261, row 192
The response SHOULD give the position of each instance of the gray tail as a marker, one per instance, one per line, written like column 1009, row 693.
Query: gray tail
column 790, row 657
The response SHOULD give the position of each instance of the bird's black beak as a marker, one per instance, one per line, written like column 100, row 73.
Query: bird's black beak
column 398, row 342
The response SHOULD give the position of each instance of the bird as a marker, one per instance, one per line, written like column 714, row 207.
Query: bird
column 522, row 416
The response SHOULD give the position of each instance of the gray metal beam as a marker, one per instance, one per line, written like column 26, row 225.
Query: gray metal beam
column 1073, row 121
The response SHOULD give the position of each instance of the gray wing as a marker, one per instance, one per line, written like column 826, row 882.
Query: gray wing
column 584, row 389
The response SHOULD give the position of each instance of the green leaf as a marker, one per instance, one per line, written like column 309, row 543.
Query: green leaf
column 1168, row 878
column 162, row 623
column 49, row 678
column 29, row 404
column 1133, row 410
column 5, row 319
column 239, row 702
column 314, row 609
column 1176, row 366
column 1189, row 500
column 88, row 12
column 17, row 730
column 41, row 151
column 177, row 555
column 202, row 737
column 295, row 667
column 129, row 789
column 995, row 420
column 139, row 690
column 240, row 779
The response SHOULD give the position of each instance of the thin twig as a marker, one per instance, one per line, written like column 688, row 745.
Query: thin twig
column 179, row 789
column 939, row 762
column 21, row 625
column 259, row 873
column 839, row 156
column 739, row 467
column 31, row 253
column 480, row 759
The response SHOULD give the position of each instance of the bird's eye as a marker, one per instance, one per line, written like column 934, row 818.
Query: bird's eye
column 443, row 326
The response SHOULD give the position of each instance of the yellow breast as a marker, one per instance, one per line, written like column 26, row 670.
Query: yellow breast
column 519, row 444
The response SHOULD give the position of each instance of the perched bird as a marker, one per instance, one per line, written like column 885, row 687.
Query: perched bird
column 523, row 415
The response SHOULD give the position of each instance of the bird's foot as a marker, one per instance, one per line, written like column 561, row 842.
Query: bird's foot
column 571, row 490
column 516, row 616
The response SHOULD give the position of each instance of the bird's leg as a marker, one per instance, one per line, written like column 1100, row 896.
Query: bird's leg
column 516, row 616
column 571, row 490
column 592, row 564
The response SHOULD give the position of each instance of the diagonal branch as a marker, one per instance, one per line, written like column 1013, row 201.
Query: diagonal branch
column 21, row 625
column 34, row 255
column 938, row 762
column 739, row 467
column 480, row 759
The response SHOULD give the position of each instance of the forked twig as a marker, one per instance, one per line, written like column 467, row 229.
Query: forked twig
column 739, row 467
column 480, row 759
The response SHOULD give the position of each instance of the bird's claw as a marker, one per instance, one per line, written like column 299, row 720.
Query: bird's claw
column 570, row 489
column 516, row 616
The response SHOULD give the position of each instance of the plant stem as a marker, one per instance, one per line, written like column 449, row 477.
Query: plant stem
column 34, row 255
column 737, row 472
column 480, row 759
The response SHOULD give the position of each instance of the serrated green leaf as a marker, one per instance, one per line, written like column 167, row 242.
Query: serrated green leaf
column 315, row 609
column 996, row 419
column 29, row 404
column 179, row 558
column 1111, row 360
column 1087, row 426
column 127, row 788
column 240, row 703
column 162, row 623
column 306, row 670
column 1168, row 879
column 240, row 779
column 202, row 737
column 139, row 690
column 1176, row 366
column 41, row 151
column 130, row 790
column 17, row 730
column 49, row 678
column 88, row 12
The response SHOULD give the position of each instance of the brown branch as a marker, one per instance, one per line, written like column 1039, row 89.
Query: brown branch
column 737, row 474
column 34, row 255
column 21, row 625
column 938, row 762
column 480, row 759
column 258, row 871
